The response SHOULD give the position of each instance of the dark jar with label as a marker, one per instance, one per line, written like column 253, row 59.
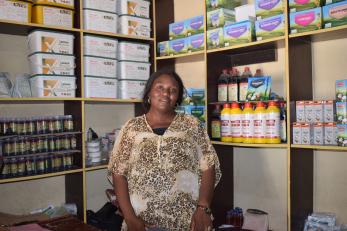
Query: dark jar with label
column 21, row 166
column 6, row 169
column 216, row 123
column 40, row 165
column 68, row 123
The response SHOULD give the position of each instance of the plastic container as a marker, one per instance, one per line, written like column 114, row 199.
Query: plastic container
column 101, row 67
column 248, row 123
column 133, row 70
column 233, row 86
column 133, row 51
column 260, row 123
column 216, row 123
column 133, row 25
column 58, row 3
column 100, row 21
column 273, row 124
column 236, row 126
column 100, row 46
column 51, row 64
column 223, row 86
column 225, row 124
column 50, row 42
column 52, row 16
column 133, row 7
column 104, row 5
column 19, row 11
column 53, row 86
column 98, row 87
column 131, row 89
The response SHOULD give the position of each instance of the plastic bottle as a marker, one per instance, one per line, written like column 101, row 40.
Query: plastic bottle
column 223, row 86
column 248, row 123
column 216, row 123
column 243, row 86
column 273, row 124
column 233, row 87
column 225, row 124
column 236, row 126
column 258, row 73
column 260, row 123
column 283, row 123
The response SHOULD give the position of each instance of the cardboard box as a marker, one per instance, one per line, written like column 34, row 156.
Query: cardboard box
column 196, row 42
column 177, row 30
column 300, row 111
column 194, row 96
column 297, row 135
column 259, row 88
column 217, row 4
column 341, row 90
column 318, row 133
column 317, row 111
column 327, row 2
column 328, row 111
column 335, row 14
column 306, row 20
column 306, row 133
column 296, row 6
column 309, row 112
column 268, row 8
column 270, row 27
column 341, row 112
column 215, row 38
column 164, row 48
column 178, row 46
column 220, row 18
column 239, row 33
column 342, row 135
column 245, row 12
column 195, row 25
column 330, row 133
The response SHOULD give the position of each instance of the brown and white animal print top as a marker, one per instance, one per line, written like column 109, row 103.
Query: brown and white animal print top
column 164, row 172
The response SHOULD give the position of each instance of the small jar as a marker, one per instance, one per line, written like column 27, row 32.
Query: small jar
column 7, row 147
column 22, row 149
column 58, row 143
column 40, row 165
column 14, row 167
column 31, row 130
column 58, row 162
column 19, row 124
column 50, row 122
column 51, row 144
column 5, row 127
column 30, row 166
column 68, row 123
column 49, row 163
column 44, row 123
column 45, row 144
column 21, row 167
column 39, row 128
column 13, row 127
column 2, row 133
column 6, row 170
column 40, row 144
column 15, row 147
column 66, row 145
column 73, row 142
column 33, row 145
column 68, row 161
column 27, row 144
column 58, row 124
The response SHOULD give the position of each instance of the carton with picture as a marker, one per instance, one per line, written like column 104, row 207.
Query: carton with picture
column 341, row 90
column 239, row 33
column 268, row 8
column 217, row 4
column 270, row 27
column 196, row 42
column 259, row 88
column 195, row 25
column 335, row 14
column 342, row 135
column 220, row 18
column 177, row 30
column 215, row 38
column 306, row 20
column 178, row 46
column 301, row 5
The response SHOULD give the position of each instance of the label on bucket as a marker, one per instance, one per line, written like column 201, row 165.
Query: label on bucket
column 57, row 17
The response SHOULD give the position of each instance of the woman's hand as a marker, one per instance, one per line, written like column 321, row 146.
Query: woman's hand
column 201, row 221
column 135, row 224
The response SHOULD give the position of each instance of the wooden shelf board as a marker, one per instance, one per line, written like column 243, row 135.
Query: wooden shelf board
column 117, row 35
column 39, row 99
column 92, row 168
column 112, row 100
column 320, row 147
column 35, row 177
column 251, row 145
column 316, row 32
column 180, row 56
column 255, row 43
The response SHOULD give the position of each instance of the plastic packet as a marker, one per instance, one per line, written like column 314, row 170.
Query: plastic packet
column 5, row 85
column 22, row 87
column 313, row 226
column 328, row 219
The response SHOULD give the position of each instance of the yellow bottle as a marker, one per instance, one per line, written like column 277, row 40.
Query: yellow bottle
column 260, row 123
column 248, row 123
column 236, row 126
column 225, row 124
column 273, row 124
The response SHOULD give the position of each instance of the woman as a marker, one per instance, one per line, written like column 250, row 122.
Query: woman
column 163, row 165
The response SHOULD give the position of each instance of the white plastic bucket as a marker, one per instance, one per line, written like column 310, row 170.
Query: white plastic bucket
column 133, row 70
column 131, row 89
column 104, row 5
column 101, row 67
column 51, row 64
column 19, row 11
column 133, row 25
column 100, row 21
column 53, row 86
column 133, row 51
column 98, row 87
column 100, row 46
column 134, row 7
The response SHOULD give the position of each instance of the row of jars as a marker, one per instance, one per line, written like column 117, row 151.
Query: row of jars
column 27, row 166
column 36, row 125
column 27, row 145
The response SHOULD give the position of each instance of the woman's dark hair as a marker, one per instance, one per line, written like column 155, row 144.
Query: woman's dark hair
column 150, row 82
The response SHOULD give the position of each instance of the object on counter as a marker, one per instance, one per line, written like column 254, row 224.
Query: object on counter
column 255, row 219
column 307, row 20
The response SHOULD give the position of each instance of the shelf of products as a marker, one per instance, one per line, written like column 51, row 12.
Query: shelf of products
column 320, row 147
column 181, row 56
column 243, row 145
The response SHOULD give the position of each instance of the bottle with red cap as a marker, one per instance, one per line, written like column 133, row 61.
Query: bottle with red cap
column 273, row 123
column 260, row 123
column 223, row 86
column 236, row 126
column 216, row 123
column 248, row 123
column 225, row 124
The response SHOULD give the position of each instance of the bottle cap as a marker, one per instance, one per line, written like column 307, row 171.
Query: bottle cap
column 260, row 104
column 248, row 105
column 272, row 103
column 226, row 105
column 235, row 105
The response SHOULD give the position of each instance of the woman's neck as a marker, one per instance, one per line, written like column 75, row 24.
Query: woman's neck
column 159, row 119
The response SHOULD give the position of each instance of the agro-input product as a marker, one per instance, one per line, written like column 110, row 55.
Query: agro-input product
column 306, row 20
column 133, row 25
column 215, row 38
column 335, row 14
column 139, row 8
column 53, row 16
column 226, row 135
column 239, row 33
column 100, row 46
column 100, row 21
column 19, row 11
column 268, row 8
column 99, row 87
column 53, row 86
column 220, row 18
column 270, row 27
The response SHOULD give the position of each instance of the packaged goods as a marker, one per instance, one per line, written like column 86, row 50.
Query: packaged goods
column 130, row 89
column 50, row 42
column 163, row 48
column 317, row 111
column 273, row 119
column 335, row 14
column 59, row 3
column 300, row 5
column 100, row 46
column 341, row 112
column 260, row 123
column 216, row 4
column 103, row 5
column 341, row 90
column 177, row 30
column 330, row 133
column 196, row 42
column 233, row 87
column 226, row 135
column 53, row 86
column 220, row 18
column 300, row 111
column 245, row 12
column 247, row 121
column 196, row 111
column 309, row 112
column 327, row 2
column 243, row 84
column 134, row 7
column 283, row 122
column 216, row 123
column 268, row 8
column 100, row 21
column 342, row 135
column 133, row 25
column 102, row 67
column 133, row 70
column 215, row 38
column 239, row 33
column 51, row 64
column 306, row 20
column 318, row 133
column 195, row 25
column 270, row 27
column 328, row 111
column 19, row 11
column 223, row 86
column 53, row 16
column 236, row 124
column 133, row 51
column 98, row 87
column 297, row 135
column 194, row 96
column 259, row 88
column 178, row 46
column 306, row 133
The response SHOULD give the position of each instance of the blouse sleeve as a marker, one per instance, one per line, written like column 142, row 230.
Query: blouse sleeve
column 119, row 158
column 208, row 156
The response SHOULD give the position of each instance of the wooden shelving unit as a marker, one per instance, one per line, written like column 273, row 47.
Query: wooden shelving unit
column 243, row 145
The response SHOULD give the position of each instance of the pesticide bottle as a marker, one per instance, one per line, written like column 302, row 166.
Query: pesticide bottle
column 223, row 86
column 273, row 124
column 236, row 126
column 225, row 124
column 260, row 123
column 248, row 123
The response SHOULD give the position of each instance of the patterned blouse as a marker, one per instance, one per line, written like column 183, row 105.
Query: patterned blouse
column 164, row 171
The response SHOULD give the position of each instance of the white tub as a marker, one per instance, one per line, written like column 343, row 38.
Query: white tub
column 51, row 42
column 100, row 21
column 133, row 25
column 104, row 5
column 51, row 64
column 53, row 86
column 98, row 87
column 53, row 16
column 101, row 67
column 134, row 7
column 19, row 11
column 133, row 70
column 100, row 46
column 133, row 51
column 131, row 89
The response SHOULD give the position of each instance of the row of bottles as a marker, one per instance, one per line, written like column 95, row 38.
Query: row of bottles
column 249, row 125
column 232, row 86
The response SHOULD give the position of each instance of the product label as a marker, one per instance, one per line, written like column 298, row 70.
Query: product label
column 273, row 125
column 57, row 66
column 297, row 136
column 101, row 67
column 55, row 45
column 138, row 8
column 247, row 125
column 243, row 91
column 222, row 92
column 301, row 2
column 57, row 17
column 305, row 18
column 17, row 11
column 236, row 126
column 236, row 31
column 216, row 129
column 225, row 125
column 270, row 25
column 233, row 92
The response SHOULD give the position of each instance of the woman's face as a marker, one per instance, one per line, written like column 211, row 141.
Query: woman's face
column 164, row 93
